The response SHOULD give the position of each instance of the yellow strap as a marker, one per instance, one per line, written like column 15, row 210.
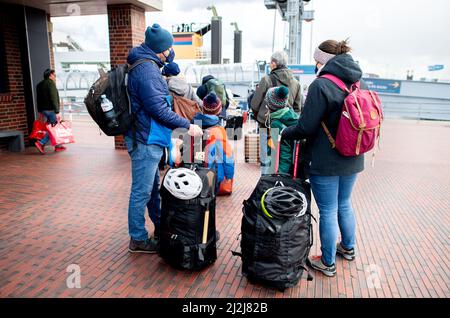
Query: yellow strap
column 362, row 124
column 358, row 142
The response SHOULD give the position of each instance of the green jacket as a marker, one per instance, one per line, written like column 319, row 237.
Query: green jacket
column 281, row 119
column 282, row 76
column 47, row 96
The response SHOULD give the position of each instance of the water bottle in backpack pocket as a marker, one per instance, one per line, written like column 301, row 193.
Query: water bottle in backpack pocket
column 108, row 110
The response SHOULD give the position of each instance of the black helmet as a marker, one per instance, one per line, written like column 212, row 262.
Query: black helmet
column 281, row 202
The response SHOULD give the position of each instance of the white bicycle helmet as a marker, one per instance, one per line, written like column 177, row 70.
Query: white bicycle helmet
column 183, row 183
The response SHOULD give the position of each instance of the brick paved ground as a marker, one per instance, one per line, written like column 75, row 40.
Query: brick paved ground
column 71, row 208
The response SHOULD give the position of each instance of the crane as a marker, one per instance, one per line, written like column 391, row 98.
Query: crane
column 292, row 12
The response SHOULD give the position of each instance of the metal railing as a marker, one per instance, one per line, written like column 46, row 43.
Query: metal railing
column 415, row 110
column 75, row 106
column 418, row 111
column 72, row 105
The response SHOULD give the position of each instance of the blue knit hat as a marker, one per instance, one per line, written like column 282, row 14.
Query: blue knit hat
column 277, row 98
column 171, row 69
column 158, row 39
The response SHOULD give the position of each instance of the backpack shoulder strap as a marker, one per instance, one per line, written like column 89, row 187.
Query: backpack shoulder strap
column 139, row 62
column 132, row 66
column 337, row 81
column 134, row 114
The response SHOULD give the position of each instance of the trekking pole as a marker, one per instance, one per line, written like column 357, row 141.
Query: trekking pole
column 210, row 177
column 192, row 150
column 296, row 155
column 277, row 159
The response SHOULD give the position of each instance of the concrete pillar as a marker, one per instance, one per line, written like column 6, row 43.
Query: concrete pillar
column 126, row 24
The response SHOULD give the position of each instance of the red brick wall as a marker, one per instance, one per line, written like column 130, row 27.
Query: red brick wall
column 126, row 24
column 13, row 114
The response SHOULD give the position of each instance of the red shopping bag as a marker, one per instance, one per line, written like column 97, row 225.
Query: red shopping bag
column 61, row 133
column 39, row 129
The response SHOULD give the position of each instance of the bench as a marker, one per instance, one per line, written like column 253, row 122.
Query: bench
column 16, row 141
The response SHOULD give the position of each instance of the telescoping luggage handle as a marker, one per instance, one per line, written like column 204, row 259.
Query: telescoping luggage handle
column 211, row 181
column 250, row 115
column 296, row 155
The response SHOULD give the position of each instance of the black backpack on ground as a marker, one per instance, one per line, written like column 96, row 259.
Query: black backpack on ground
column 182, row 225
column 274, row 251
column 114, row 85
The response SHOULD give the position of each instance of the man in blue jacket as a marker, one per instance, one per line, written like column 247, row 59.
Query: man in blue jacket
column 155, row 120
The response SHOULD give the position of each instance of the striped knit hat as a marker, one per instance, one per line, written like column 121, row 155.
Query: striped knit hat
column 212, row 104
column 277, row 98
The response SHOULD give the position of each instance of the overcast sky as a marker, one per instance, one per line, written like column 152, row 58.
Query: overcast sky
column 388, row 37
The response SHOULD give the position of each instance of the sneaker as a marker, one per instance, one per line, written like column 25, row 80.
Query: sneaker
column 60, row 148
column 349, row 255
column 317, row 264
column 149, row 246
column 40, row 147
column 217, row 236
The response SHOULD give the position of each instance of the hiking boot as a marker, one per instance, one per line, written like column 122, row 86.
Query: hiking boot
column 349, row 255
column 40, row 147
column 149, row 246
column 317, row 264
column 60, row 148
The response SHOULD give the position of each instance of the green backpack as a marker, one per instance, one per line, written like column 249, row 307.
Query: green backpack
column 218, row 87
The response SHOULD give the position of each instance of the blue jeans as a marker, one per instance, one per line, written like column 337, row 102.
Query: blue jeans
column 144, row 188
column 50, row 117
column 332, row 195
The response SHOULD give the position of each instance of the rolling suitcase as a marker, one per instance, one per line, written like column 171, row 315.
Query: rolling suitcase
column 251, row 145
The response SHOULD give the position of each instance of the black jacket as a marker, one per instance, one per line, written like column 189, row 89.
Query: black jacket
column 324, row 102
column 47, row 96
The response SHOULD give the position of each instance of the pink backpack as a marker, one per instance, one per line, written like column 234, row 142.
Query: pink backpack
column 360, row 122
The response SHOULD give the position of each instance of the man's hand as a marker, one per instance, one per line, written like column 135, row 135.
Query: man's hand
column 58, row 117
column 195, row 131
